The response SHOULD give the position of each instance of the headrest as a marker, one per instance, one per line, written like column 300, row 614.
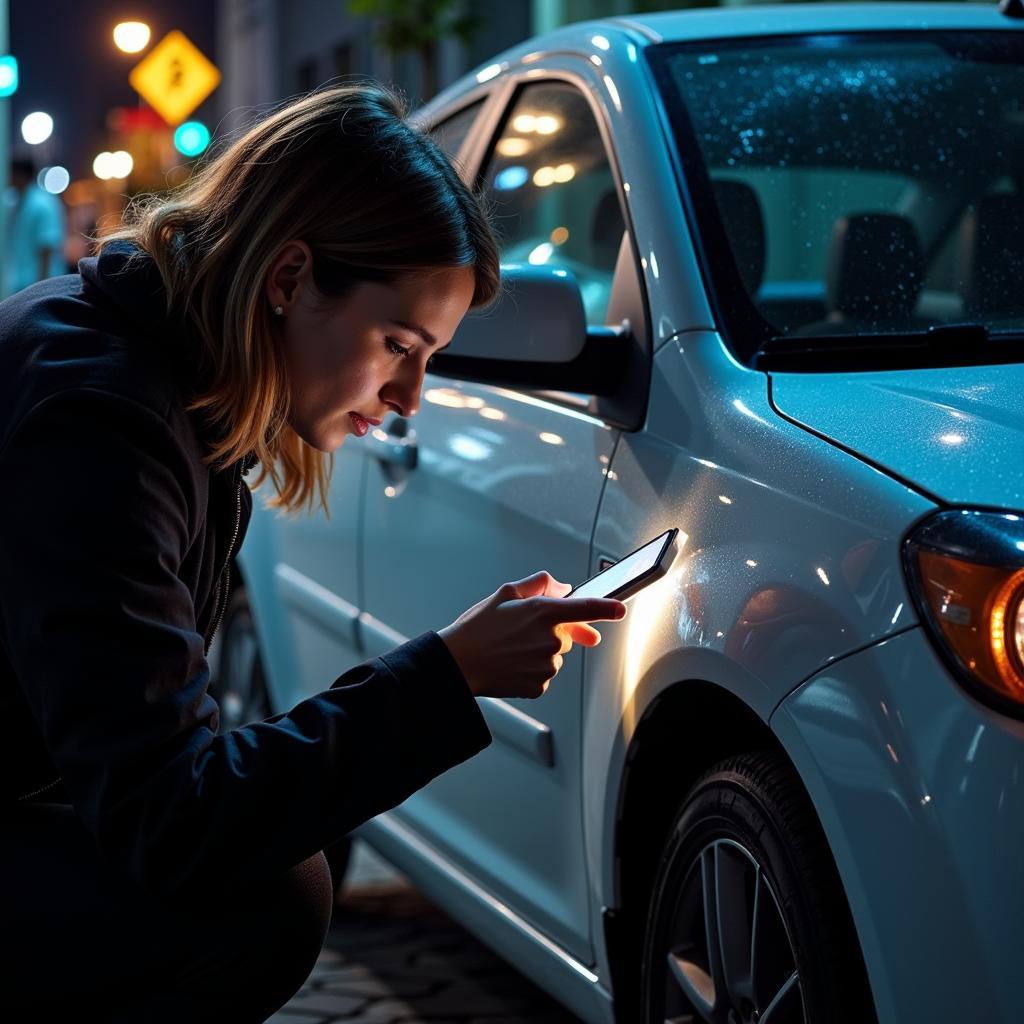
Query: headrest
column 875, row 269
column 993, row 257
column 740, row 210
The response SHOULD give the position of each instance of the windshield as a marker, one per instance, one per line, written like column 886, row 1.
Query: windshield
column 854, row 184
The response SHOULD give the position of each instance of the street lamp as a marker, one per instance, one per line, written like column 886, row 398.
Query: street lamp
column 37, row 128
column 131, row 36
column 121, row 164
column 118, row 164
column 101, row 166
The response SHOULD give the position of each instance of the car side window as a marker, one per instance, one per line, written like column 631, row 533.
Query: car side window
column 553, row 196
column 452, row 132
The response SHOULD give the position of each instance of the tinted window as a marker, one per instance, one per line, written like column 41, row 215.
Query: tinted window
column 852, row 185
column 452, row 132
column 553, row 195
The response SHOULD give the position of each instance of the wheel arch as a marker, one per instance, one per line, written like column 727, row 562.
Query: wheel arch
column 671, row 740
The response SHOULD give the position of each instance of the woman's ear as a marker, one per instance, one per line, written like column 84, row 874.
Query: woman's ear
column 290, row 271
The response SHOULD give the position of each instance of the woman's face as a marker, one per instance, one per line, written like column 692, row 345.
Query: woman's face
column 365, row 353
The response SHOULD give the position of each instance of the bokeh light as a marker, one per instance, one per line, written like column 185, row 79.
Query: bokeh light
column 54, row 179
column 8, row 75
column 191, row 138
column 121, row 164
column 131, row 36
column 118, row 164
column 101, row 165
column 511, row 177
column 36, row 128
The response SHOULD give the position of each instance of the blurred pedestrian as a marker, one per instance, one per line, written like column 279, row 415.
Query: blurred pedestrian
column 153, row 868
column 36, row 221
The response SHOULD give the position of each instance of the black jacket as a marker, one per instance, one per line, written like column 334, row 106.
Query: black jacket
column 114, row 541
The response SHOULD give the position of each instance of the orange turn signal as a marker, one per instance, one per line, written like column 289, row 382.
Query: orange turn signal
column 978, row 611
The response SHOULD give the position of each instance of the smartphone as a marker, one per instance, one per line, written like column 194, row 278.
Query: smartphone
column 631, row 574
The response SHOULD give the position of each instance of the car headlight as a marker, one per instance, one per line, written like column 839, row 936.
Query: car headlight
column 966, row 572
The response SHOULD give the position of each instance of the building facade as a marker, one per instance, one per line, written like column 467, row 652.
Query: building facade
column 269, row 50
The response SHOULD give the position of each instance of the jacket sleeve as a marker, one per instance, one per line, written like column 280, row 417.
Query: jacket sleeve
column 101, row 634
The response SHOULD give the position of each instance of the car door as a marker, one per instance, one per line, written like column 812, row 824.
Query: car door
column 507, row 483
column 316, row 579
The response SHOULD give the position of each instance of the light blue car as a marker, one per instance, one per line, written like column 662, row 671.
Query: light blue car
column 765, row 285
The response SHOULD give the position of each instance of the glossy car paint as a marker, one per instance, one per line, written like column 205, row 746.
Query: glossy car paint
column 969, row 416
column 494, row 499
column 795, row 493
column 920, row 791
column 792, row 557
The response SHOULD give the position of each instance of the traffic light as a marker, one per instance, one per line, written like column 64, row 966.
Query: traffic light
column 191, row 138
column 8, row 76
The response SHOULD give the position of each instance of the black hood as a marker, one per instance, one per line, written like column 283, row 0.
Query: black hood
column 125, row 278
column 128, row 276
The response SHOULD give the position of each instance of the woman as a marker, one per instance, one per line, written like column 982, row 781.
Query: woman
column 152, row 869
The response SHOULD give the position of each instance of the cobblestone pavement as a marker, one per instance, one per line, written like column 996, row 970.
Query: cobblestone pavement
column 392, row 957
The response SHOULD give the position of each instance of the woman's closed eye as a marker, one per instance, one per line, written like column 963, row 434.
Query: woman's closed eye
column 395, row 349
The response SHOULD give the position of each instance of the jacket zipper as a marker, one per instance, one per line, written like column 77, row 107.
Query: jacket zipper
column 42, row 789
column 225, row 573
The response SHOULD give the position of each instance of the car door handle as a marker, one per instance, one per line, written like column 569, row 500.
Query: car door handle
column 399, row 450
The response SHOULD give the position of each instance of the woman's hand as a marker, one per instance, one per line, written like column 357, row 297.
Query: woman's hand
column 511, row 644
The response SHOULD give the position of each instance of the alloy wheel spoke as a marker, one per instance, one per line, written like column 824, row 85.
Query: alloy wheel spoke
column 730, row 952
column 695, row 983
column 732, row 870
column 757, row 934
column 693, row 959
column 712, row 935
column 785, row 1005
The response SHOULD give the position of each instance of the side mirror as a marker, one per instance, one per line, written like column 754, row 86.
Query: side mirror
column 535, row 335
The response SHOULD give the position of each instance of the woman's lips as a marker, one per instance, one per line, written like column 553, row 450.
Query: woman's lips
column 360, row 424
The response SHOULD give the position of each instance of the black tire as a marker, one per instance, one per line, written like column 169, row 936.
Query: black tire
column 747, row 840
column 240, row 687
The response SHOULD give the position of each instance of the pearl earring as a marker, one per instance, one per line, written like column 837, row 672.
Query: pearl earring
column 279, row 310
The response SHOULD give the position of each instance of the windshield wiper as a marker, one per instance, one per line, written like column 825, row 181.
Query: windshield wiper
column 965, row 344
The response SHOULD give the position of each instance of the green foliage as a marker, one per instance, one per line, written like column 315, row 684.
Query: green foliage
column 415, row 24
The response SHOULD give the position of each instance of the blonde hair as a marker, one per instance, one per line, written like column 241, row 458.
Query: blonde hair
column 372, row 197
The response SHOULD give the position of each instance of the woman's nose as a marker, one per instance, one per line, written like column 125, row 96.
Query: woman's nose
column 406, row 395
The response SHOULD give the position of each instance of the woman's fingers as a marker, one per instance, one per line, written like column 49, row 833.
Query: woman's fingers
column 578, row 633
column 540, row 584
column 503, row 643
column 565, row 637
column 582, row 609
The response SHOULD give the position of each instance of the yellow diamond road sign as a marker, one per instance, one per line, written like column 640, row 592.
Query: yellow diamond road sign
column 174, row 78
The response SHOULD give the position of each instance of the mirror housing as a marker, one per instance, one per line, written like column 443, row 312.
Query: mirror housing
column 535, row 335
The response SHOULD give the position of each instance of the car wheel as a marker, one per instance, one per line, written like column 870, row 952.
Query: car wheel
column 240, row 687
column 748, row 923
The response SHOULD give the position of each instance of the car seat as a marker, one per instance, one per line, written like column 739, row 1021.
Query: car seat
column 992, row 259
column 874, row 276
column 606, row 227
column 740, row 210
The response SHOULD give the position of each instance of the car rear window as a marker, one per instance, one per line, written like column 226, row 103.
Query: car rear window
column 853, row 184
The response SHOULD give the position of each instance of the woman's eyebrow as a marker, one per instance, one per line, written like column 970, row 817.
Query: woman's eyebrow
column 416, row 329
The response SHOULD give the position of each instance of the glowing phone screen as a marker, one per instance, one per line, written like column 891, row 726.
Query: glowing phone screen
column 615, row 576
